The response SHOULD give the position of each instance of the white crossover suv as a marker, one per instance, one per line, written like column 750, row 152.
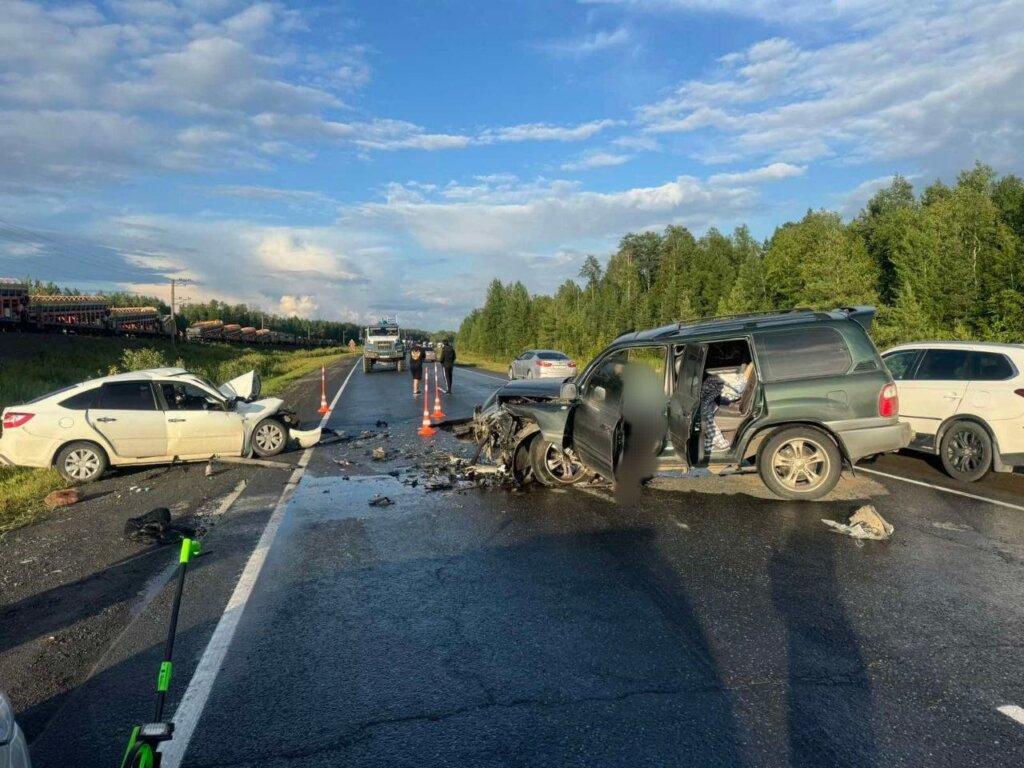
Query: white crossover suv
column 964, row 401
column 146, row 417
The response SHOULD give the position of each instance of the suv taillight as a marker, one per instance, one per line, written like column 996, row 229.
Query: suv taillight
column 889, row 401
column 13, row 419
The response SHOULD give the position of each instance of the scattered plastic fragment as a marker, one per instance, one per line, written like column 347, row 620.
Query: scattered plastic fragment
column 379, row 454
column 865, row 523
column 380, row 501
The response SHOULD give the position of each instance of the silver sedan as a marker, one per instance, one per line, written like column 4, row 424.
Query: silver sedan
column 542, row 364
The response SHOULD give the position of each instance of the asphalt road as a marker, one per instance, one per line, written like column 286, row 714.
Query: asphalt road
column 710, row 624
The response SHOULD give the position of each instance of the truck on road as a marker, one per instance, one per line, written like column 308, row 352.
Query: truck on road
column 382, row 343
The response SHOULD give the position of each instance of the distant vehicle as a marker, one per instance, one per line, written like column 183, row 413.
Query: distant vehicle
column 430, row 350
column 542, row 364
column 815, row 396
column 964, row 401
column 382, row 343
column 13, row 750
column 146, row 417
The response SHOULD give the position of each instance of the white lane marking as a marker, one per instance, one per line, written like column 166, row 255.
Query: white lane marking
column 1013, row 712
column 941, row 488
column 230, row 499
column 186, row 717
column 463, row 369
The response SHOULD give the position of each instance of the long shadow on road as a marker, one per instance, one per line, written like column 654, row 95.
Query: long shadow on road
column 828, row 698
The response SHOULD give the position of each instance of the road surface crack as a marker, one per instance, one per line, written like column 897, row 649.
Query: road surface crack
column 365, row 730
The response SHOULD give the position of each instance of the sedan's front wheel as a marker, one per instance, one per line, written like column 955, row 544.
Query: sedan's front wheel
column 269, row 438
column 81, row 462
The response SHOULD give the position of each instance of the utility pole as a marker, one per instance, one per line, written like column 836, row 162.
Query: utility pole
column 174, row 322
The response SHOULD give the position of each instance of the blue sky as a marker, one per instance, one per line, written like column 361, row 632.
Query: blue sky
column 345, row 159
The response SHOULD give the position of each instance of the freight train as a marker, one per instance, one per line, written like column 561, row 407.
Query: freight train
column 92, row 315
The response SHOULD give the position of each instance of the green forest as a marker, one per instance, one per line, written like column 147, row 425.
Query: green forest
column 947, row 263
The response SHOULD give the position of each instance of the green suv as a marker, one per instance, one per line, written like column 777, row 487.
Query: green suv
column 796, row 394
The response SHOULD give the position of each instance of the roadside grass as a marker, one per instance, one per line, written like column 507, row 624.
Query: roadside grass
column 33, row 366
column 484, row 363
column 22, row 492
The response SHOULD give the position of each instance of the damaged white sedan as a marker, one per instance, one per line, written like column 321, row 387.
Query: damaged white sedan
column 156, row 416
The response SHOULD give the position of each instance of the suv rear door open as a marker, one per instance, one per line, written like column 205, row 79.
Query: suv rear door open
column 683, row 429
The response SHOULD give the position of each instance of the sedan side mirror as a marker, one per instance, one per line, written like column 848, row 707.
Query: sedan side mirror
column 569, row 391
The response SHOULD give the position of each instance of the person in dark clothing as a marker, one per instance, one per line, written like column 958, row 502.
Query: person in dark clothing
column 416, row 358
column 447, row 359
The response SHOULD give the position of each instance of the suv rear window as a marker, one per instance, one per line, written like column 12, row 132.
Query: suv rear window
column 991, row 366
column 802, row 353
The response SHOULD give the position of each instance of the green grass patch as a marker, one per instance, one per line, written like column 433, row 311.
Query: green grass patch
column 34, row 365
column 22, row 492
column 484, row 363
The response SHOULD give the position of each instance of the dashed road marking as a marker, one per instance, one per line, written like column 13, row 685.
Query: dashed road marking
column 943, row 489
column 1013, row 712
column 186, row 717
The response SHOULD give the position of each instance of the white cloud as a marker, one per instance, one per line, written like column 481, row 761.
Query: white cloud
column 773, row 172
column 637, row 143
column 390, row 135
column 547, row 219
column 596, row 160
column 302, row 306
column 941, row 83
column 774, row 11
column 595, row 42
column 545, row 132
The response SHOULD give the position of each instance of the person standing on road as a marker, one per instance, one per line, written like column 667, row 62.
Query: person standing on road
column 416, row 356
column 447, row 360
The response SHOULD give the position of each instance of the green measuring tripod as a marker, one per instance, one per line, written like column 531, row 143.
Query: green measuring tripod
column 143, row 743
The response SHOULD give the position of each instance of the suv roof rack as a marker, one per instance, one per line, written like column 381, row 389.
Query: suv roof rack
column 742, row 316
column 745, row 320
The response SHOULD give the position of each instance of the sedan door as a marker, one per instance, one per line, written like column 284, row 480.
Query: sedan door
column 198, row 425
column 126, row 414
column 935, row 391
column 523, row 363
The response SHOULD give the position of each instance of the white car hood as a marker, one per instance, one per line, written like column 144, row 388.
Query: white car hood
column 268, row 406
column 245, row 387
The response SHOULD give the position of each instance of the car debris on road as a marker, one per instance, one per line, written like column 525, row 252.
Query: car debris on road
column 865, row 523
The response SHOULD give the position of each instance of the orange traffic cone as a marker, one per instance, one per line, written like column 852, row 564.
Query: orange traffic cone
column 426, row 430
column 323, row 390
column 438, row 413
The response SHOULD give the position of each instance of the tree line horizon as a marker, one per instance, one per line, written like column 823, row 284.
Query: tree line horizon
column 945, row 264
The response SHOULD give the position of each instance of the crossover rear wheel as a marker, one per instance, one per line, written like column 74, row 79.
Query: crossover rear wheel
column 800, row 463
column 966, row 451
column 81, row 462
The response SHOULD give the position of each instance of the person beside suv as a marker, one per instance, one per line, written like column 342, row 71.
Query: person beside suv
column 816, row 398
column 965, row 403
